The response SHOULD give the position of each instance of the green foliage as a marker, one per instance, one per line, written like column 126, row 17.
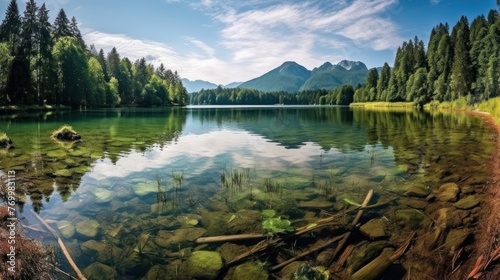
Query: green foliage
column 274, row 225
column 305, row 272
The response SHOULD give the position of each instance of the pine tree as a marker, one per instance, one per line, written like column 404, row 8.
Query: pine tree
column 45, row 74
column 29, row 28
column 461, row 73
column 11, row 27
column 61, row 25
column 75, row 32
column 383, row 82
column 102, row 61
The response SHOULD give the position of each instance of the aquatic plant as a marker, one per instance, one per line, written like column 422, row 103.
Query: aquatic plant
column 274, row 225
column 5, row 141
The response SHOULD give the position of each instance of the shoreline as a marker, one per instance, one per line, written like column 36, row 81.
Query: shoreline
column 489, row 226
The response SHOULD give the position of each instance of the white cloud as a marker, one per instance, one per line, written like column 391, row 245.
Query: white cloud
column 259, row 35
column 435, row 2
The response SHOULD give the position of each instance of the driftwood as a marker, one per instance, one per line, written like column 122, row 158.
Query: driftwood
column 354, row 224
column 261, row 246
column 308, row 252
column 63, row 247
column 323, row 222
column 375, row 268
column 225, row 238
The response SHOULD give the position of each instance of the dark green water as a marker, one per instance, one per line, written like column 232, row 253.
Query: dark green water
column 103, row 197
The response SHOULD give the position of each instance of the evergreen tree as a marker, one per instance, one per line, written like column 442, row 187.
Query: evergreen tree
column 5, row 66
column 11, row 27
column 75, row 32
column 29, row 30
column 383, row 82
column 461, row 73
column 45, row 75
column 62, row 25
column 104, row 65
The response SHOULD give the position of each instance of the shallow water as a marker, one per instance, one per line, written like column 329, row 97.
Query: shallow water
column 117, row 197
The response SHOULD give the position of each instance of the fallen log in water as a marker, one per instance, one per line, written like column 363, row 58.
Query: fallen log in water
column 375, row 268
column 63, row 247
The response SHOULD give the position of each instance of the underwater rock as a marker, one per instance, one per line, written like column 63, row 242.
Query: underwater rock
column 456, row 238
column 245, row 221
column 66, row 228
column 365, row 253
column 87, row 228
column 316, row 204
column 204, row 265
column 307, row 272
column 229, row 251
column 160, row 208
column 451, row 217
column 99, row 271
column 93, row 247
column 416, row 203
column 410, row 217
column 183, row 236
column 467, row 202
column 250, row 271
column 418, row 190
column 103, row 195
column 145, row 188
column 374, row 228
column 288, row 271
column 157, row 272
column 448, row 192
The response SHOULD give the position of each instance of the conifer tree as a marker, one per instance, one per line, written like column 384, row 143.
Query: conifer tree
column 11, row 27
column 461, row 73
column 383, row 82
column 61, row 25
column 45, row 74
column 75, row 32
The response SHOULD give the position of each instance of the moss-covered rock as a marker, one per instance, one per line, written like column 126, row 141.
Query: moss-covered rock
column 365, row 253
column 87, row 228
column 455, row 238
column 467, row 202
column 250, row 271
column 102, row 195
column 448, row 192
column 5, row 142
column 99, row 271
column 204, row 265
column 410, row 217
column 66, row 228
column 375, row 228
column 66, row 133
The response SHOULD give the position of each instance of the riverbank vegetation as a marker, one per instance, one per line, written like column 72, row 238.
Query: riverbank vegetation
column 44, row 63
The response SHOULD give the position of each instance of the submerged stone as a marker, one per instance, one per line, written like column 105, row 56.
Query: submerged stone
column 103, row 195
column 316, row 204
column 448, row 192
column 418, row 190
column 250, row 271
column 87, row 228
column 180, row 237
column 410, row 217
column 365, row 253
column 455, row 238
column 204, row 265
column 467, row 202
column 229, row 251
column 145, row 188
column 375, row 228
column 66, row 228
column 99, row 271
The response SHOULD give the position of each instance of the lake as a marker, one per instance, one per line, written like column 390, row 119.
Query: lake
column 143, row 185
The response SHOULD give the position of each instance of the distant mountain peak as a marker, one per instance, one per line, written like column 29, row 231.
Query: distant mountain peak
column 348, row 64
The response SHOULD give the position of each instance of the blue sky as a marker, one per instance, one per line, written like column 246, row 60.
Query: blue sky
column 223, row 41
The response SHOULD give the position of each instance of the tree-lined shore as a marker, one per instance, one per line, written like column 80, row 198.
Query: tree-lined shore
column 44, row 63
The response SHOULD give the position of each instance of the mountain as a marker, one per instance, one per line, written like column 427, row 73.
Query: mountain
column 289, row 77
column 329, row 76
column 292, row 77
column 197, row 85
column 233, row 85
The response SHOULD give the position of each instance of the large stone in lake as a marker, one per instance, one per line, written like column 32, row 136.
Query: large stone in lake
column 365, row 253
column 204, row 265
column 66, row 228
column 416, row 189
column 375, row 228
column 316, row 204
column 467, row 202
column 99, row 271
column 181, row 237
column 455, row 238
column 410, row 217
column 448, row 192
column 87, row 228
column 102, row 195
column 250, row 271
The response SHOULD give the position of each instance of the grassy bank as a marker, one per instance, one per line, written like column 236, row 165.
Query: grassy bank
column 383, row 104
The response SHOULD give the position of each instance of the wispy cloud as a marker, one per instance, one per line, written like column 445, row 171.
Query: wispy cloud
column 258, row 35
column 435, row 2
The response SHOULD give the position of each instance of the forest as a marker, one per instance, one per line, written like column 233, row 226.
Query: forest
column 44, row 63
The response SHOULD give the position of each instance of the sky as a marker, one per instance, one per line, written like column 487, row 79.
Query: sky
column 224, row 41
